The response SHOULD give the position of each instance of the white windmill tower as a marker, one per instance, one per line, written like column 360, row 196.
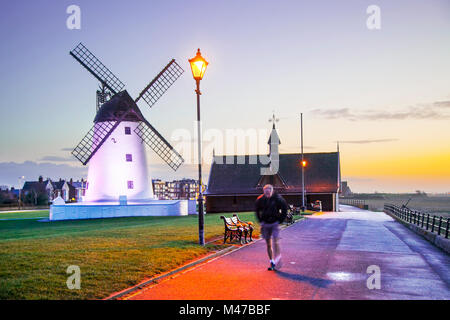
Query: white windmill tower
column 114, row 145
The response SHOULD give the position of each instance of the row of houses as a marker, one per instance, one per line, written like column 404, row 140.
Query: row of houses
column 69, row 190
column 184, row 189
column 73, row 191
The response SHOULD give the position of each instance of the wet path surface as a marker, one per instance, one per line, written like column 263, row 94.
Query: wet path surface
column 326, row 256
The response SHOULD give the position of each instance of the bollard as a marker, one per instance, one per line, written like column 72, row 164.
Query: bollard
column 440, row 224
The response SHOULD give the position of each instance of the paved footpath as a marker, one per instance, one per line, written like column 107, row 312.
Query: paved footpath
column 324, row 257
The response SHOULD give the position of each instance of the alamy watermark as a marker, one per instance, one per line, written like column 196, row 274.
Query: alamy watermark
column 74, row 19
column 374, row 280
column 249, row 146
column 74, row 280
column 373, row 21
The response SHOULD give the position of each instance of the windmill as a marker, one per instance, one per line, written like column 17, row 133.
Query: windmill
column 114, row 146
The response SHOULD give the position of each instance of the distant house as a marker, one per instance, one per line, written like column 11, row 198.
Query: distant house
column 61, row 188
column 77, row 190
column 38, row 188
column 235, row 183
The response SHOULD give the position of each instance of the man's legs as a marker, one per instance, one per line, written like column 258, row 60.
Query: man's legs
column 277, row 252
column 269, row 248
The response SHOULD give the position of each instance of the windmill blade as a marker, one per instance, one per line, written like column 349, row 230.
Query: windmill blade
column 161, row 83
column 156, row 141
column 93, row 140
column 97, row 68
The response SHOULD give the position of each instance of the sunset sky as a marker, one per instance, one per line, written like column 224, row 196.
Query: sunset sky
column 383, row 94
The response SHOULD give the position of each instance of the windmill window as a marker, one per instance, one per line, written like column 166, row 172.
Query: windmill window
column 129, row 157
column 130, row 184
column 127, row 130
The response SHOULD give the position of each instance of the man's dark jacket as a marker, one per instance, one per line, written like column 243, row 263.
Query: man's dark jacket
column 270, row 210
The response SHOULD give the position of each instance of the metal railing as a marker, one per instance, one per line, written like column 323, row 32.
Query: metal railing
column 440, row 225
column 360, row 203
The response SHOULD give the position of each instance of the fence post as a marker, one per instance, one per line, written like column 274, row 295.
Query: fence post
column 428, row 220
column 440, row 224
column 432, row 224
column 446, row 229
column 423, row 218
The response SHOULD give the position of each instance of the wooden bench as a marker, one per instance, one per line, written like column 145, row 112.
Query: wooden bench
column 232, row 230
column 248, row 226
column 289, row 217
column 316, row 206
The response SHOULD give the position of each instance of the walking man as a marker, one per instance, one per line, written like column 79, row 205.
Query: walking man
column 271, row 210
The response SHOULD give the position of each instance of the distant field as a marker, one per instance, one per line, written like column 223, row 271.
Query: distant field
column 437, row 205
column 113, row 254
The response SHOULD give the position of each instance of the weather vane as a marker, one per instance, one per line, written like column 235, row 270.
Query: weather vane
column 274, row 119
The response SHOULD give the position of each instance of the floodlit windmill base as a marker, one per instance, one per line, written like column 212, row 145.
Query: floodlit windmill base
column 95, row 210
column 119, row 184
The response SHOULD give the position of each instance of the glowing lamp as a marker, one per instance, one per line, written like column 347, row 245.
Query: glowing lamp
column 198, row 66
column 304, row 163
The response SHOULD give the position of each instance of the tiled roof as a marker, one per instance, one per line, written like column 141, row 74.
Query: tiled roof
column 321, row 174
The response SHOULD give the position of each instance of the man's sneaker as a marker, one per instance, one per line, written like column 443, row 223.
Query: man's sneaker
column 278, row 262
column 272, row 266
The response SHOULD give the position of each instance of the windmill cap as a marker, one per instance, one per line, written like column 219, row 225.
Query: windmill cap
column 113, row 109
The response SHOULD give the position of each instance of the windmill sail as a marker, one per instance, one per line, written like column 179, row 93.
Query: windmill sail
column 161, row 83
column 93, row 140
column 97, row 68
column 156, row 141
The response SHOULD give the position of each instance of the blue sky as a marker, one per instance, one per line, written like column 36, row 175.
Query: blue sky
column 371, row 89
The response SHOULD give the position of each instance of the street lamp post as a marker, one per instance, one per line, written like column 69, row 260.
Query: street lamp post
column 303, row 163
column 198, row 67
column 20, row 189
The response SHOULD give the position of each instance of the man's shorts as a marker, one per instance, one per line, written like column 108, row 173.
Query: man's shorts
column 270, row 230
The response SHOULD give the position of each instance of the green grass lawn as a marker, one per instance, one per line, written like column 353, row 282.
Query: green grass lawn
column 113, row 254
column 24, row 215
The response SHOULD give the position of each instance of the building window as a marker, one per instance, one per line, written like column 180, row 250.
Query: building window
column 130, row 184
column 129, row 157
column 127, row 130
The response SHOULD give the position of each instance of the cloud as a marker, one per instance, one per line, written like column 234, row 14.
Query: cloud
column 57, row 159
column 442, row 104
column 368, row 141
column 432, row 111
column 10, row 171
column 67, row 149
